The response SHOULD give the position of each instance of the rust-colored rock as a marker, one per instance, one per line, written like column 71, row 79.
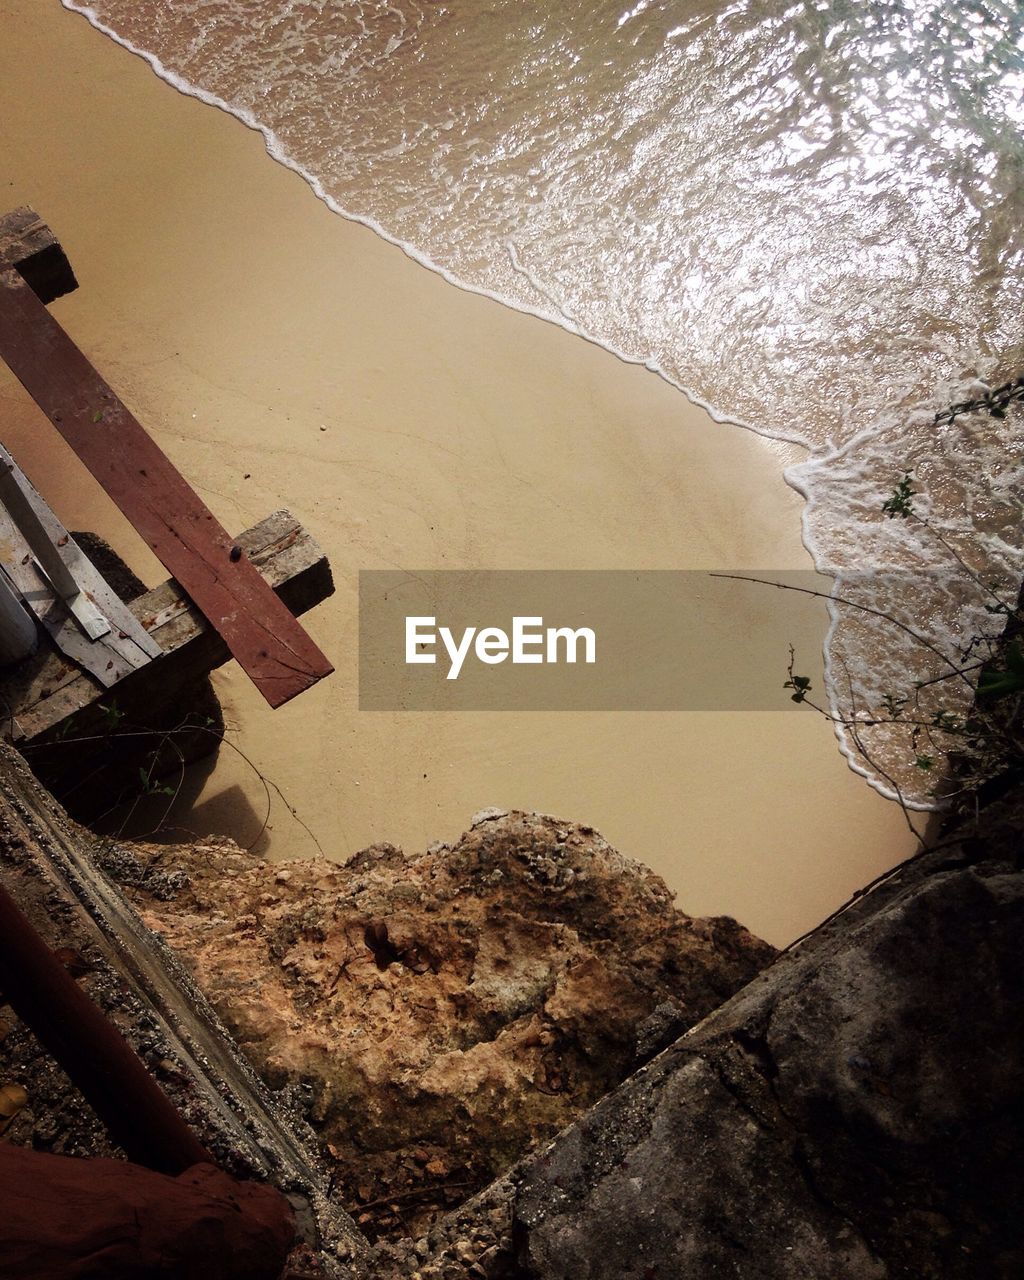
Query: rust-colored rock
column 63, row 1218
column 437, row 1016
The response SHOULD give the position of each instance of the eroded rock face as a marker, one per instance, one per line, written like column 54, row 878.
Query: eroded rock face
column 439, row 1015
column 854, row 1114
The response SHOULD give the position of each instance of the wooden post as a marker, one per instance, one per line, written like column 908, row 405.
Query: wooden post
column 49, row 866
column 43, row 692
column 60, row 577
column 66, row 1217
column 28, row 244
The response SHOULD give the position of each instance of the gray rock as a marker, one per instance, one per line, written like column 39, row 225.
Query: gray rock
column 855, row 1113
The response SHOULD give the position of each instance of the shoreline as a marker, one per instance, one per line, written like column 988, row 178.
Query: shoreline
column 276, row 150
column 285, row 356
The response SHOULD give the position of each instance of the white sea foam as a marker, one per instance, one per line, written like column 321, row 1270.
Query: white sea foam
column 807, row 218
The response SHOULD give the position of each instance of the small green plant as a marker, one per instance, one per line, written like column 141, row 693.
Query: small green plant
column 982, row 743
column 1001, row 680
column 65, row 727
column 893, row 706
column 898, row 502
column 152, row 788
column 800, row 685
column 994, row 402
column 111, row 713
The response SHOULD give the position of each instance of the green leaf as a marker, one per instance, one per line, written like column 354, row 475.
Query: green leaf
column 801, row 685
column 112, row 714
column 998, row 684
column 898, row 502
column 893, row 706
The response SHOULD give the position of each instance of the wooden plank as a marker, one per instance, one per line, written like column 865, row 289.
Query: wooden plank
column 28, row 245
column 19, row 635
column 126, row 647
column 45, row 690
column 274, row 650
column 137, row 1114
column 52, row 869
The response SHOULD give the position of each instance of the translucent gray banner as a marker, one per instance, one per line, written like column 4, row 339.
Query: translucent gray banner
column 588, row 640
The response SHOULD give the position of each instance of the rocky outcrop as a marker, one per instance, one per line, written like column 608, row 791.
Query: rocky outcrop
column 437, row 1016
column 855, row 1113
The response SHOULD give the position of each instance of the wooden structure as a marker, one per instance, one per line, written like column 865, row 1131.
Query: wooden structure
column 211, row 566
column 60, row 586
column 66, row 1217
column 50, row 869
column 135, row 1111
column 227, row 598
column 18, row 634
column 46, row 689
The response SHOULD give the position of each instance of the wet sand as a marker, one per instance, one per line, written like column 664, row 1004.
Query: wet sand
column 284, row 357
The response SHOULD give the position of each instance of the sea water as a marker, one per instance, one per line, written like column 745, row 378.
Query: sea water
column 807, row 216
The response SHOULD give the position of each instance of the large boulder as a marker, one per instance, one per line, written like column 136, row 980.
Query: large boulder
column 856, row 1113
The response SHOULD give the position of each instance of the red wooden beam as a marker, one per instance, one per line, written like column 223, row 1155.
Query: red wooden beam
column 136, row 1112
column 268, row 642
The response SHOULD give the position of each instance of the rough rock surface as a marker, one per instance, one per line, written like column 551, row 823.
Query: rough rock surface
column 438, row 1016
column 855, row 1113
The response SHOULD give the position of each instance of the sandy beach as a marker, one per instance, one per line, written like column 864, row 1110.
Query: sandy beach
column 284, row 357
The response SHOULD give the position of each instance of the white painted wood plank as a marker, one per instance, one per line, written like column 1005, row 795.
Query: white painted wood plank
column 126, row 646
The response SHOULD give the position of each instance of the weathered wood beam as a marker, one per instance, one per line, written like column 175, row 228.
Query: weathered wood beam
column 50, row 867
column 34, row 531
column 135, row 1111
column 270, row 645
column 46, row 690
column 29, row 246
